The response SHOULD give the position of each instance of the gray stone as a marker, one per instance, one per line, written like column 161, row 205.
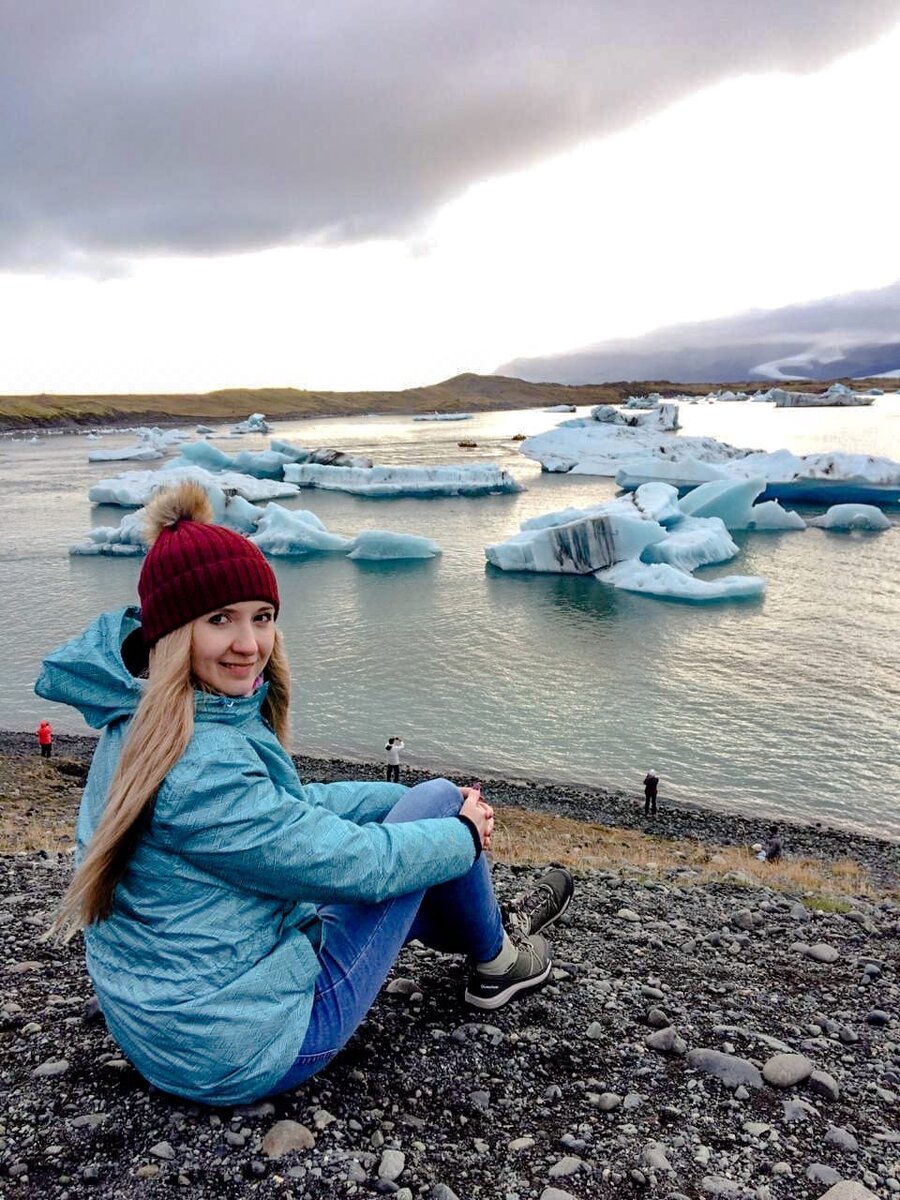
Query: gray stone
column 823, row 1084
column 552, row 1193
column 822, row 952
column 718, row 1185
column 595, row 1031
column 402, row 987
column 286, row 1136
column 666, row 1041
column 440, row 1191
column 55, row 1066
column 627, row 914
column 391, row 1165
column 878, row 1017
column 842, row 1138
column 797, row 1110
column 787, row 1070
column 730, row 1070
column 608, row 1101
column 657, row 1018
column 822, row 1173
column 654, row 1156
column 568, row 1165
column 162, row 1150
column 848, row 1189
column 520, row 1143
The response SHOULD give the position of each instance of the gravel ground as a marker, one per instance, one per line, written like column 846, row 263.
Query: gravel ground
column 694, row 1041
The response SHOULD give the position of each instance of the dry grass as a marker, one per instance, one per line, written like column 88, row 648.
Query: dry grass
column 530, row 838
column 463, row 392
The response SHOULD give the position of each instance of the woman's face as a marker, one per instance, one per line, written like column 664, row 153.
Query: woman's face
column 231, row 646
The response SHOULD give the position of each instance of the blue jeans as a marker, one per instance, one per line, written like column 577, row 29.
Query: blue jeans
column 362, row 941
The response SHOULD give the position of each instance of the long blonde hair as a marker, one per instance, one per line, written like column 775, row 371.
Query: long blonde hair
column 161, row 728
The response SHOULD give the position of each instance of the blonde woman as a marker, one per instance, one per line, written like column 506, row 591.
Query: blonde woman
column 238, row 924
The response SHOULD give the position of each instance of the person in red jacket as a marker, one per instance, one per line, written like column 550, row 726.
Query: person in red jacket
column 45, row 738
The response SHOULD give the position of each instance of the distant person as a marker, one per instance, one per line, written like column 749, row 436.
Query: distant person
column 392, row 751
column 239, row 924
column 774, row 847
column 651, row 785
column 44, row 733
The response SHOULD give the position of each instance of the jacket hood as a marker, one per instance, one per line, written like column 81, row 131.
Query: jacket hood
column 90, row 674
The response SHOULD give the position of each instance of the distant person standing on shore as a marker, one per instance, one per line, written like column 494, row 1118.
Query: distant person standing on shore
column 392, row 751
column 44, row 733
column 774, row 846
column 651, row 784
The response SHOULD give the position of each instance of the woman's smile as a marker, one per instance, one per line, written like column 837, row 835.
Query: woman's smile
column 231, row 646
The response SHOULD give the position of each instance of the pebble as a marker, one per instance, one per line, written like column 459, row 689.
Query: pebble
column 848, row 1189
column 842, row 1138
column 553, row 1193
column 285, row 1137
column 823, row 1084
column 55, row 1066
column 566, row 1166
column 666, row 1041
column 822, row 1173
column 731, row 1070
column 787, row 1070
column 878, row 1017
column 162, row 1150
column 822, row 952
column 392, row 1165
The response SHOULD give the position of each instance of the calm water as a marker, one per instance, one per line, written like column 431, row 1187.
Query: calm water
column 783, row 706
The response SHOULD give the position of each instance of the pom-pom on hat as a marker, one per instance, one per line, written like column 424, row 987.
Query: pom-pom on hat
column 194, row 566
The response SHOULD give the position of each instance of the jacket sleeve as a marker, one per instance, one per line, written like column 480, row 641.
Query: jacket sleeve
column 228, row 818
column 360, row 802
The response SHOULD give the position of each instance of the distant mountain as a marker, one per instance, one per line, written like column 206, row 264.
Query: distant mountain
column 850, row 336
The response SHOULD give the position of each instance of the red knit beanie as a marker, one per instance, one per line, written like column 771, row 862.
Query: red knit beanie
column 193, row 566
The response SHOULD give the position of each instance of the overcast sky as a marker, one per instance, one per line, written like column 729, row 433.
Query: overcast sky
column 373, row 194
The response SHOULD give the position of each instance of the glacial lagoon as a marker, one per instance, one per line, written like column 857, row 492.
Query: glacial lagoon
column 784, row 706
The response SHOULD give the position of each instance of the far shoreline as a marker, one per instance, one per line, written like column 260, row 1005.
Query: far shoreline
column 607, row 805
column 464, row 393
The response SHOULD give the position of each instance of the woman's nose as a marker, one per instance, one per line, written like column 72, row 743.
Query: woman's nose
column 244, row 640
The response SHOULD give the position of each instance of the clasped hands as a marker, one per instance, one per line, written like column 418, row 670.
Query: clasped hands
column 480, row 813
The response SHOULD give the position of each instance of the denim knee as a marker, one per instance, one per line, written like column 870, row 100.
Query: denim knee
column 433, row 798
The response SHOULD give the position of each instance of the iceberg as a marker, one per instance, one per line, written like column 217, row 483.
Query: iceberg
column 438, row 416
column 202, row 429
column 578, row 547
column 693, row 542
column 380, row 544
column 290, row 533
column 126, row 538
column 560, row 408
column 291, row 452
column 665, row 582
column 255, row 423
column 732, row 501
column 135, row 453
column 134, row 488
column 848, row 517
column 660, row 416
column 585, row 446
column 262, row 464
column 327, row 457
column 838, row 395
column 658, row 502
column 383, row 482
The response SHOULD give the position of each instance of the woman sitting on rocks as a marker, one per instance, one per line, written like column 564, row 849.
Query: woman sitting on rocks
column 239, row 924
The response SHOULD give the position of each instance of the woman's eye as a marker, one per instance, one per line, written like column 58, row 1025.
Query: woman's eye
column 265, row 618
column 218, row 619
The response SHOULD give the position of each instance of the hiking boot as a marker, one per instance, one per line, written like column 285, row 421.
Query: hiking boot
column 528, row 972
column 543, row 904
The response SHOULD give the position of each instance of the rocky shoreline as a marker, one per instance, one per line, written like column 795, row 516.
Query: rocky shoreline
column 695, row 1041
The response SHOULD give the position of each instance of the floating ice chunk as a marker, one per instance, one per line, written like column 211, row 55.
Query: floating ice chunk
column 480, row 479
column 576, row 548
column 255, row 423
column 126, row 538
column 262, row 464
column 135, row 453
column 288, row 533
column 326, row 456
column 560, row 408
column 437, row 416
column 847, row 517
column 837, row 396
column 291, row 452
column 382, row 544
column 658, row 502
column 134, row 488
column 680, row 472
column 770, row 517
column 660, row 416
column 668, row 583
column 693, row 542
column 202, row 429
column 587, row 447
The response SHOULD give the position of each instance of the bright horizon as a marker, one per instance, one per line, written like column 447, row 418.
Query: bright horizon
column 734, row 198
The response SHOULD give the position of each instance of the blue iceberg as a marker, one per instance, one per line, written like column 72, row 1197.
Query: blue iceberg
column 382, row 545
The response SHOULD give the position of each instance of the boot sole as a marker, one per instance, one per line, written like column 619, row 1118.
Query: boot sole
column 516, row 989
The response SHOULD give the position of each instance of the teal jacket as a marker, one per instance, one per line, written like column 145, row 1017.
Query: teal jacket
column 205, row 969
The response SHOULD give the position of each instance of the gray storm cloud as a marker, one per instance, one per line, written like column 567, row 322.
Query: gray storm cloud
column 198, row 127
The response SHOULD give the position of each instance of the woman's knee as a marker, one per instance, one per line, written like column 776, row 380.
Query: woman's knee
column 433, row 798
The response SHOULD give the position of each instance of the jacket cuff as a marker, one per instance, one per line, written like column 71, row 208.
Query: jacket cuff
column 476, row 836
